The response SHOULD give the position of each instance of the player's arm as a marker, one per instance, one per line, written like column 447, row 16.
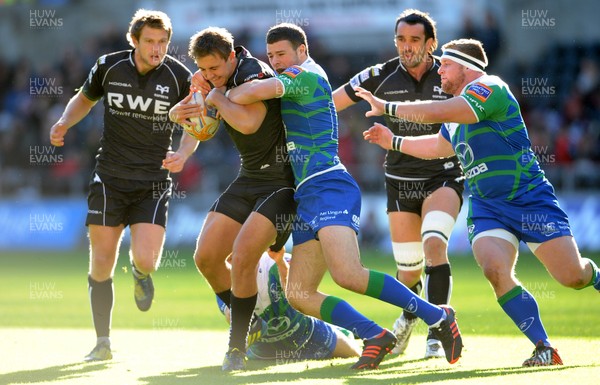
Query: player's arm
column 77, row 108
column 245, row 118
column 256, row 90
column 341, row 99
column 425, row 147
column 181, row 112
column 455, row 110
column 282, row 265
column 174, row 161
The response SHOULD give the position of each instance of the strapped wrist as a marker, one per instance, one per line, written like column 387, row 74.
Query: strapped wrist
column 390, row 108
column 397, row 142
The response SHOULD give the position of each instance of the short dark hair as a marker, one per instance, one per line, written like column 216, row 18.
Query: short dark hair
column 414, row 16
column 152, row 19
column 211, row 41
column 287, row 31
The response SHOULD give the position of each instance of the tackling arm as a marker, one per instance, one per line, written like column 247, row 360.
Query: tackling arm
column 256, row 90
column 243, row 118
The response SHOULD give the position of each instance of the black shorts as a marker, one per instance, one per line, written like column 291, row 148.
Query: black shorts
column 273, row 200
column 408, row 195
column 114, row 201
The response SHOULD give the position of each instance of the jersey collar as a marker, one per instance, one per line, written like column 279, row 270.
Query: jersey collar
column 310, row 65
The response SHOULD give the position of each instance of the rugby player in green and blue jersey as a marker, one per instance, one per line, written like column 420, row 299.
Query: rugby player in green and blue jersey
column 325, row 232
column 289, row 335
column 510, row 198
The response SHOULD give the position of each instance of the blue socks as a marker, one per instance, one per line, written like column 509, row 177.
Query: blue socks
column 387, row 288
column 522, row 308
column 339, row 312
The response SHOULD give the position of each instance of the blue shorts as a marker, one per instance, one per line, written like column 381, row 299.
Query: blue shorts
column 316, row 344
column 332, row 198
column 534, row 217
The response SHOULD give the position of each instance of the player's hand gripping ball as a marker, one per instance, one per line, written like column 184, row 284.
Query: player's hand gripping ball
column 207, row 124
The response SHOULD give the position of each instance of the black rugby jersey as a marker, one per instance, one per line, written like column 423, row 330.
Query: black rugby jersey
column 263, row 154
column 392, row 82
column 137, row 131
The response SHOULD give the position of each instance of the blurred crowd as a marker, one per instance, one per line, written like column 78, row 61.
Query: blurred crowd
column 559, row 96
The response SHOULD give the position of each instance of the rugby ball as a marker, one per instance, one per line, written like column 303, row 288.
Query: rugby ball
column 207, row 123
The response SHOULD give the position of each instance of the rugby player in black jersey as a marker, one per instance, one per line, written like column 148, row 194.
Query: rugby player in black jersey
column 254, row 212
column 423, row 196
column 130, row 185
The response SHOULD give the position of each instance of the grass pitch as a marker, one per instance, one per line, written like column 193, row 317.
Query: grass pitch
column 187, row 357
column 46, row 329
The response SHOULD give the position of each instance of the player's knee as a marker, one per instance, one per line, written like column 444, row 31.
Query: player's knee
column 243, row 266
column 495, row 275
column 409, row 261
column 573, row 279
column 435, row 232
column 205, row 263
column 102, row 261
column 409, row 277
column 435, row 251
column 146, row 265
column 348, row 282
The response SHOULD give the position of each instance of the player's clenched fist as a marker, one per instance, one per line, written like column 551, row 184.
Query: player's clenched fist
column 57, row 134
column 199, row 83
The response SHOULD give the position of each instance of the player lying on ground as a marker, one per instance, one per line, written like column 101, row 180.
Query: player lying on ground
column 289, row 335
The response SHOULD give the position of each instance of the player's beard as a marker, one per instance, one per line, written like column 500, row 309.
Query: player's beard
column 452, row 87
column 416, row 58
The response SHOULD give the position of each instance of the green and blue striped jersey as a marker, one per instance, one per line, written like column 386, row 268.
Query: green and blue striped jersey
column 310, row 121
column 495, row 152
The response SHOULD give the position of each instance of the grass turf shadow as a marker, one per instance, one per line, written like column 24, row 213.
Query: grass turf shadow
column 258, row 372
column 52, row 373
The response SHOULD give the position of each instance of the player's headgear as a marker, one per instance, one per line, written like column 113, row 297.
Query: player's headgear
column 464, row 59
column 467, row 52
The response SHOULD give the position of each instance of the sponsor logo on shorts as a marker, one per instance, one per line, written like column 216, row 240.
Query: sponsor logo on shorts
column 332, row 214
